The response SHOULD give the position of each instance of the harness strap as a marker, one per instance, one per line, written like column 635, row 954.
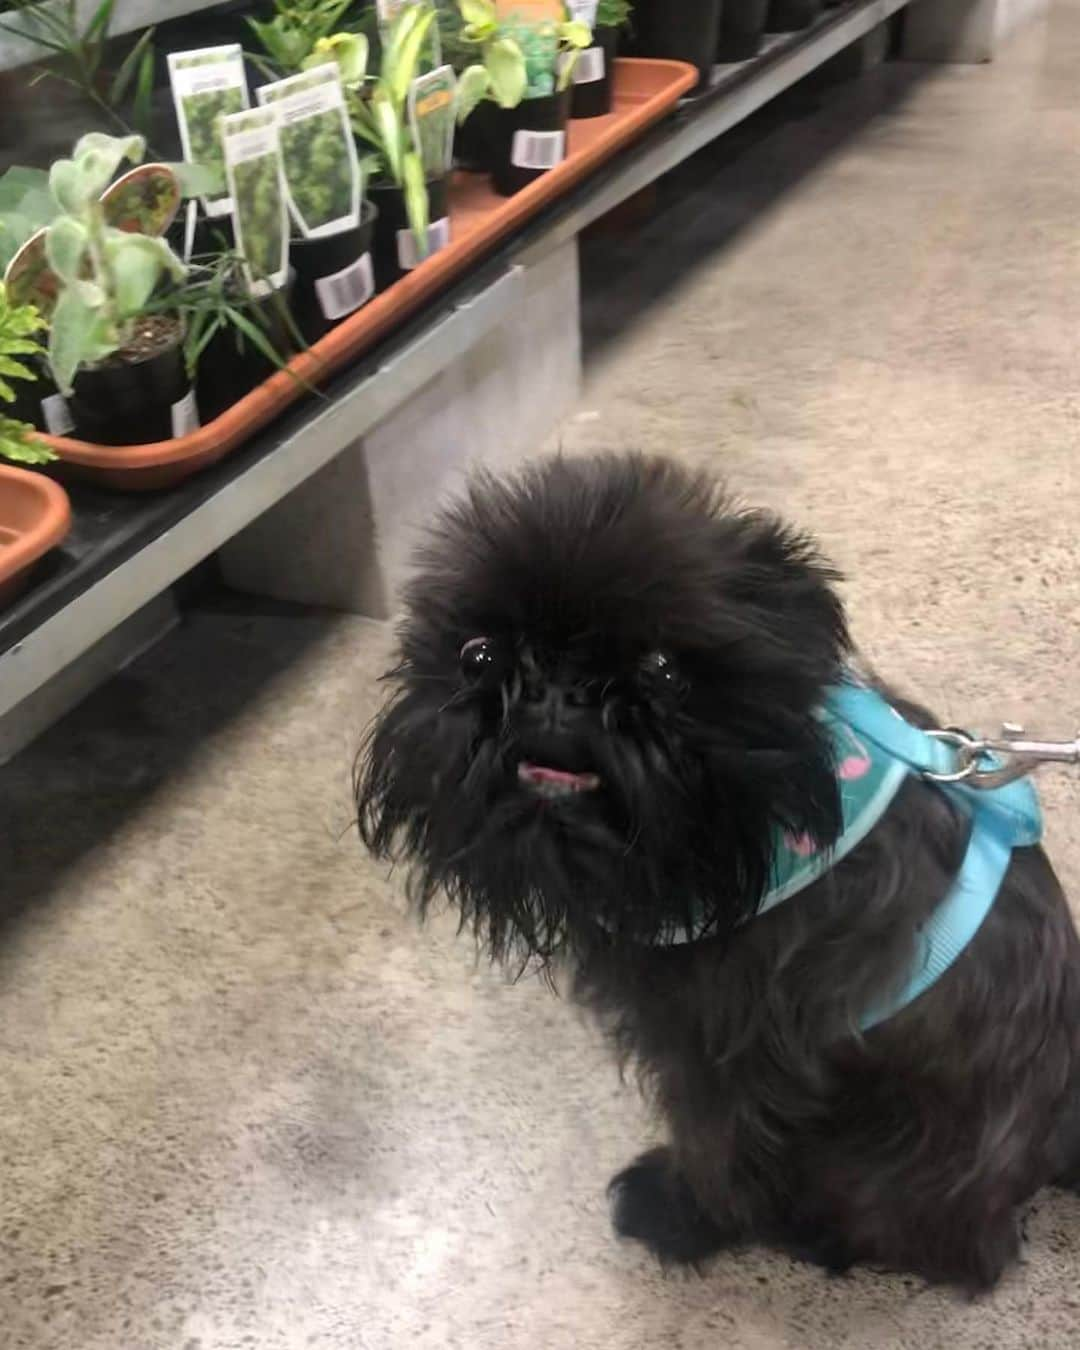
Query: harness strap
column 1001, row 819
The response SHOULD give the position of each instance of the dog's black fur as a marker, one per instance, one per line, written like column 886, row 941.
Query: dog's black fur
column 911, row 1147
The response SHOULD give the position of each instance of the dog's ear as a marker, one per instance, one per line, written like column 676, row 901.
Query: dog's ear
column 785, row 590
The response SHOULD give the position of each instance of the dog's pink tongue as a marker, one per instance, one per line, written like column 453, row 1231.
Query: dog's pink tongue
column 539, row 775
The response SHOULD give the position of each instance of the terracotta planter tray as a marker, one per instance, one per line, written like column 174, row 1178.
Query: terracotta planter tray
column 644, row 92
column 34, row 516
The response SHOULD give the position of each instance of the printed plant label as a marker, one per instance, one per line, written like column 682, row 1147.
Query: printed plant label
column 144, row 200
column 584, row 11
column 207, row 85
column 531, row 11
column 257, row 190
column 323, row 179
column 432, row 104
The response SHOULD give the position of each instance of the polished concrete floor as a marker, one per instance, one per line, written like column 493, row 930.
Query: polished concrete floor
column 244, row 1101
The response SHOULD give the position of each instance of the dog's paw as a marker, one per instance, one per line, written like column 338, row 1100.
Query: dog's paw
column 652, row 1203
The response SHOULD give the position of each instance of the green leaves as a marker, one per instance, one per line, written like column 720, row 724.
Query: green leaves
column 78, row 181
column 522, row 57
column 478, row 13
column 401, row 51
column 18, row 326
column 26, row 204
column 576, row 34
column 416, row 200
column 390, row 130
column 79, row 50
column 19, row 443
column 293, row 35
column 76, row 334
column 506, row 70
column 66, row 245
column 137, row 263
column 473, row 85
column 133, row 62
column 350, row 52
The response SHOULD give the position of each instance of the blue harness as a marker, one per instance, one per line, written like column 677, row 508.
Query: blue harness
column 875, row 751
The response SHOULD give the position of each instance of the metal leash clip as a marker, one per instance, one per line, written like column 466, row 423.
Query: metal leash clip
column 994, row 762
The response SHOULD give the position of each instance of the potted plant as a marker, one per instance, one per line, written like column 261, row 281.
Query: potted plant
column 333, row 227
column 742, row 27
column 413, row 210
column 232, row 339
column 19, row 326
column 528, row 69
column 121, row 368
column 680, row 30
column 594, row 75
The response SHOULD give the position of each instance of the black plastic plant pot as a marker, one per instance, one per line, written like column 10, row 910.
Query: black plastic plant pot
column 335, row 275
column 213, row 234
column 529, row 140
column 231, row 365
column 742, row 27
column 788, row 16
column 395, row 251
column 472, row 140
column 39, row 402
column 128, row 402
column 680, row 30
column 594, row 77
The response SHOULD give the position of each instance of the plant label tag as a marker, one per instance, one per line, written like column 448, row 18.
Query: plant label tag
column 207, row 85
column 257, row 192
column 57, row 415
column 531, row 11
column 591, row 66
column 185, row 415
column 432, row 109
column 538, row 149
column 191, row 220
column 584, row 11
column 409, row 255
column 144, row 200
column 318, row 152
column 342, row 292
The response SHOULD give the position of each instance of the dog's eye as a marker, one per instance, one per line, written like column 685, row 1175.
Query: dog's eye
column 484, row 662
column 658, row 674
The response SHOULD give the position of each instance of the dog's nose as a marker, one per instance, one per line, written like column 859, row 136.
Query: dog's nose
column 553, row 705
column 547, row 702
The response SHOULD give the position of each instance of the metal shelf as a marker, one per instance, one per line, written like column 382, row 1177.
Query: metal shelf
column 164, row 537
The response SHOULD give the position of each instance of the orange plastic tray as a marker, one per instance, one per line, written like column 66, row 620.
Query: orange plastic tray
column 34, row 516
column 644, row 92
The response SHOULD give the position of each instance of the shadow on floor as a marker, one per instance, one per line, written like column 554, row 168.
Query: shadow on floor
column 73, row 788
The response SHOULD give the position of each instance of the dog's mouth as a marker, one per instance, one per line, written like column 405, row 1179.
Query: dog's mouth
column 554, row 784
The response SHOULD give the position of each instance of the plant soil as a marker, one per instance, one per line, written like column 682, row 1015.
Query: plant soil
column 153, row 334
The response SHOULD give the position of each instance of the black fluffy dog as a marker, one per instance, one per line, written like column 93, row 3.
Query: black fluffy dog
column 604, row 710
